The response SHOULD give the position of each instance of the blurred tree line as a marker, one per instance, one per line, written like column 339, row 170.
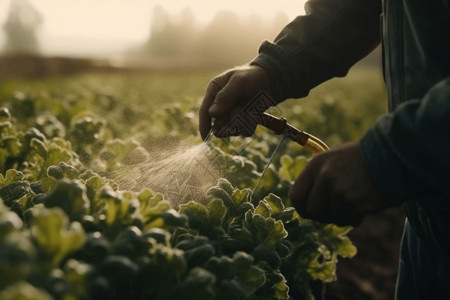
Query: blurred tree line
column 226, row 39
column 21, row 28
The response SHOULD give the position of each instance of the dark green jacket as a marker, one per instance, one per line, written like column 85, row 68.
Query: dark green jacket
column 408, row 149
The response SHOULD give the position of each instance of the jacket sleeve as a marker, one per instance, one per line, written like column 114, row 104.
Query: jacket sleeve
column 324, row 43
column 408, row 151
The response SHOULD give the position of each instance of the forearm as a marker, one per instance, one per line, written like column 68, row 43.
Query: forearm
column 410, row 148
column 325, row 43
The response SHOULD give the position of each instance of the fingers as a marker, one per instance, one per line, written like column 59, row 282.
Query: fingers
column 318, row 205
column 231, row 90
column 312, row 200
column 230, row 118
column 309, row 196
column 315, row 194
column 212, row 90
column 300, row 192
column 335, row 187
column 219, row 102
column 227, row 97
column 236, row 123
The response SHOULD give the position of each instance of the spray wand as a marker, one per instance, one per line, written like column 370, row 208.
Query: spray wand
column 281, row 126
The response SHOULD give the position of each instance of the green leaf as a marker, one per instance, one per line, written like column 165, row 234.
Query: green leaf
column 241, row 196
column 276, row 233
column 6, row 128
column 9, row 221
column 70, row 196
column 251, row 280
column 13, row 193
column 169, row 261
column 51, row 230
column 335, row 237
column 199, row 284
column 118, row 209
column 197, row 214
column 222, row 266
column 334, row 230
column 145, row 195
column 281, row 290
column 173, row 219
column 324, row 271
column 216, row 211
column 225, row 185
column 24, row 291
column 292, row 167
column 267, row 255
column 4, row 155
column 199, row 255
column 275, row 203
column 5, row 115
column 152, row 208
column 286, row 215
column 345, row 247
column 242, row 261
column 34, row 133
column 218, row 192
column 12, row 175
column 17, row 251
column 268, row 182
column 76, row 273
column 57, row 154
column 161, row 236
column 86, row 130
column 263, row 209
column 39, row 146
column 13, row 145
column 95, row 183
column 63, row 170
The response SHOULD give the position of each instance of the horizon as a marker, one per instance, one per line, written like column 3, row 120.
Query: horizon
column 97, row 28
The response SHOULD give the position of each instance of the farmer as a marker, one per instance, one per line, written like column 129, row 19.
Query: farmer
column 404, row 159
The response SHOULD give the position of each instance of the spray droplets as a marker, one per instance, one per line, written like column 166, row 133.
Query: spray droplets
column 182, row 174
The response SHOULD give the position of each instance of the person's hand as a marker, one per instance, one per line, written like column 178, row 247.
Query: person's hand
column 335, row 187
column 229, row 96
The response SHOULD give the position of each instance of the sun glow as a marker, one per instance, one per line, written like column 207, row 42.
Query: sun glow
column 124, row 22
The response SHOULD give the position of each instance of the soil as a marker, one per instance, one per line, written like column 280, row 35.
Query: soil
column 371, row 274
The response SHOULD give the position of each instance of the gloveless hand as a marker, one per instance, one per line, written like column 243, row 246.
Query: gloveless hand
column 228, row 93
column 335, row 187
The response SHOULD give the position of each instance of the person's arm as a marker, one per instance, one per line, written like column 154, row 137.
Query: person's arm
column 404, row 158
column 325, row 43
column 408, row 151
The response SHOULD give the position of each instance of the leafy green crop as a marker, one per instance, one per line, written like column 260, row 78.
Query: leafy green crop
column 68, row 231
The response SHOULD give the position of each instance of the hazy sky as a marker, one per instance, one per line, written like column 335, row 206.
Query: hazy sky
column 128, row 21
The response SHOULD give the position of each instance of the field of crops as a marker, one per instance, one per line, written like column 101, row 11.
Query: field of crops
column 107, row 191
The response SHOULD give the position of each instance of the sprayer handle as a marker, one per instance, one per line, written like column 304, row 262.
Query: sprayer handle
column 277, row 125
column 280, row 126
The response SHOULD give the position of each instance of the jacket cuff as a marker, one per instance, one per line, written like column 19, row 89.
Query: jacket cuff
column 274, row 70
column 274, row 60
column 385, row 169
